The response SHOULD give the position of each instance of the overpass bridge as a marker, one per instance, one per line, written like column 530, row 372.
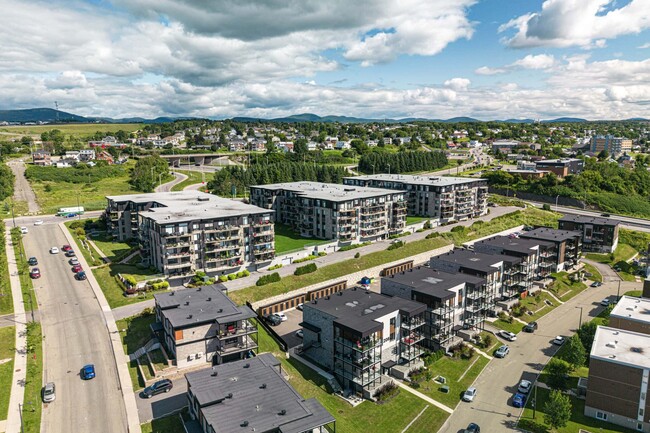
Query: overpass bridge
column 198, row 159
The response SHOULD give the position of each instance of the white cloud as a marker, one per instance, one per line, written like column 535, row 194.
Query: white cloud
column 541, row 61
column 458, row 84
column 484, row 70
column 644, row 46
column 587, row 23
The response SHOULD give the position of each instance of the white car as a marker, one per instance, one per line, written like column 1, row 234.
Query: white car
column 508, row 335
column 605, row 302
column 24, row 230
column 299, row 333
column 283, row 316
column 558, row 341
column 469, row 394
column 54, row 250
column 38, row 222
column 524, row 386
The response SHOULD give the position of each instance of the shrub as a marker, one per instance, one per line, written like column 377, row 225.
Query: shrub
column 458, row 229
column 268, row 279
column 352, row 247
column 231, row 277
column 130, row 279
column 546, row 206
column 274, row 267
column 223, row 278
column 307, row 269
column 432, row 235
column 386, row 392
column 305, row 259
column 427, row 225
column 396, row 245
column 357, row 255
column 160, row 286
column 322, row 254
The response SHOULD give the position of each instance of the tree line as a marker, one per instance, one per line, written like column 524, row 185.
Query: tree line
column 148, row 172
column 401, row 162
column 6, row 182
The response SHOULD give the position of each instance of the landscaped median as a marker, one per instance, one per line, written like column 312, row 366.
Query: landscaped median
column 6, row 301
column 26, row 284
column 7, row 352
column 31, row 413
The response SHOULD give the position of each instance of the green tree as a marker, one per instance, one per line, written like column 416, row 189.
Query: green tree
column 586, row 333
column 557, row 410
column 558, row 372
column 300, row 146
column 574, row 352
column 147, row 172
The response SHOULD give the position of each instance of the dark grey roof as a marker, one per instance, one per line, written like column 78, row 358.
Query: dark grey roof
column 549, row 234
column 358, row 309
column 584, row 219
column 188, row 307
column 434, row 283
column 519, row 245
column 475, row 261
column 254, row 391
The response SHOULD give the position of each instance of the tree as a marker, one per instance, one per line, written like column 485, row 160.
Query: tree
column 558, row 371
column 147, row 172
column 575, row 353
column 300, row 146
column 586, row 333
column 557, row 410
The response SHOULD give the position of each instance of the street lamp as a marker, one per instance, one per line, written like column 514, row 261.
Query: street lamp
column 556, row 199
column 618, row 292
column 388, row 168
column 580, row 321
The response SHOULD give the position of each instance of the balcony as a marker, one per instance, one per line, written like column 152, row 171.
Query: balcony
column 178, row 265
column 244, row 329
column 412, row 324
column 245, row 344
column 261, row 239
column 362, row 345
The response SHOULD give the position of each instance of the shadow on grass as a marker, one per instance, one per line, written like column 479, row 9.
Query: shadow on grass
column 138, row 331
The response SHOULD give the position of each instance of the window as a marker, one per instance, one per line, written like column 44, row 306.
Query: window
column 639, row 426
column 601, row 415
column 178, row 335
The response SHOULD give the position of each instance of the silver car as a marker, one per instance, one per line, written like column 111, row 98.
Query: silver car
column 49, row 392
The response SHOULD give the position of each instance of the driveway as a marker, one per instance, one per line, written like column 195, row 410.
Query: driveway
column 22, row 189
column 162, row 404
column 287, row 330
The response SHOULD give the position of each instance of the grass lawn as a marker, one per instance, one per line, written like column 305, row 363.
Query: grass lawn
column 34, row 380
column 538, row 306
column 136, row 380
column 287, row 240
column 20, row 207
column 6, row 376
column 91, row 256
column 167, row 424
column 493, row 345
column 114, row 250
column 26, row 284
column 105, row 276
column 158, row 359
column 325, row 273
column 514, row 327
column 452, row 369
column 410, row 220
column 7, row 342
column 564, row 288
column 623, row 252
column 78, row 130
column 6, row 301
column 192, row 178
column 635, row 293
column 595, row 275
column 135, row 331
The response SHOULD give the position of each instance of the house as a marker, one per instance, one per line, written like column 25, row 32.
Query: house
column 41, row 157
column 105, row 156
column 599, row 234
column 252, row 395
column 567, row 246
column 86, row 155
column 286, row 146
column 202, row 325
column 72, row 155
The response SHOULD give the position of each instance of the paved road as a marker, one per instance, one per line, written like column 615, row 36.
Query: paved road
column 28, row 221
column 74, row 334
column 10, row 319
column 626, row 221
column 492, row 408
column 23, row 190
column 163, row 404
column 166, row 187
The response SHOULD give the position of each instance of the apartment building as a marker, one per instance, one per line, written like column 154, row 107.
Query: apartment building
column 332, row 211
column 567, row 246
column 536, row 256
column 453, row 301
column 185, row 231
column 443, row 198
column 619, row 372
column 253, row 396
column 202, row 325
column 631, row 314
column 610, row 144
column 599, row 234
column 358, row 334
column 561, row 167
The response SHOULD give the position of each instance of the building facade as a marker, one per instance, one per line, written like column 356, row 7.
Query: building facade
column 42, row 157
column 599, row 235
column 442, row 198
column 567, row 246
column 561, row 167
column 202, row 325
column 631, row 314
column 332, row 211
column 610, row 144
column 536, row 256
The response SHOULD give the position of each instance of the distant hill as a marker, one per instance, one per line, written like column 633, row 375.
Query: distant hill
column 39, row 115
column 309, row 117
column 565, row 120
column 519, row 121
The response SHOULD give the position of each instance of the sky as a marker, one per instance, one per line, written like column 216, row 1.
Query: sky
column 436, row 59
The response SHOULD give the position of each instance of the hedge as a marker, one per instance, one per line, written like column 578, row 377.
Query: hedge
column 268, row 279
column 307, row 269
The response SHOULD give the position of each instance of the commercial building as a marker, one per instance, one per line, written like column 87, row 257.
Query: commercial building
column 202, row 325
column 185, row 231
column 619, row 371
column 598, row 234
column 504, row 146
column 567, row 246
column 632, row 314
column 332, row 211
column 536, row 255
column 610, row 144
column 561, row 167
column 442, row 198
column 453, row 301
column 358, row 334
column 253, row 396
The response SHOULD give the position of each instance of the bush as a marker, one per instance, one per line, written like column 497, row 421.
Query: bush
column 357, row 255
column 427, row 225
column 355, row 246
column 386, row 392
column 223, row 278
column 546, row 207
column 432, row 235
column 274, row 267
column 307, row 269
column 396, row 245
column 130, row 279
column 268, row 279
column 231, row 277
column 305, row 259
column 160, row 286
column 458, row 229
column 79, row 174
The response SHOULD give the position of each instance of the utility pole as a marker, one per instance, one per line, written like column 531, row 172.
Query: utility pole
column 20, row 412
column 580, row 321
column 618, row 293
column 13, row 217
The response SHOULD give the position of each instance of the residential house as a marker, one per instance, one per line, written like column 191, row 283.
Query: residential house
column 42, row 157
column 86, row 155
column 105, row 156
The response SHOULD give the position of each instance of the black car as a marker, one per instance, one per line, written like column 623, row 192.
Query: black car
column 69, row 253
column 32, row 261
column 164, row 385
column 81, row 275
column 274, row 319
column 531, row 327
column 472, row 428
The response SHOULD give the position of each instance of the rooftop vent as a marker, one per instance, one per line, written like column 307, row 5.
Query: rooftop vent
column 637, row 349
column 244, row 424
column 283, row 412
column 172, row 293
column 263, row 386
column 229, row 395
column 611, row 345
column 214, row 373
column 189, row 316
column 247, row 365
column 203, row 198
column 209, row 299
column 187, row 302
column 339, row 294
column 199, row 289
column 220, row 309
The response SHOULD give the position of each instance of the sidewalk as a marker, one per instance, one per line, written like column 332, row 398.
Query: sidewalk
column 424, row 397
column 126, row 387
column 13, row 424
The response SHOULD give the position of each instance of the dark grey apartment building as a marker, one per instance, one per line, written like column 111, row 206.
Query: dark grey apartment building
column 599, row 234
column 202, row 325
column 567, row 246
column 253, row 395
column 331, row 211
column 536, row 256
column 442, row 198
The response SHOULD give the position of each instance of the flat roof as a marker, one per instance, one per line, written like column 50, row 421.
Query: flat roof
column 358, row 309
column 519, row 245
column 631, row 308
column 182, row 206
column 621, row 347
column 187, row 307
column 557, row 160
column 251, row 395
column 419, row 180
column 329, row 191
column 585, row 219
column 433, row 282
column 549, row 234
column 473, row 260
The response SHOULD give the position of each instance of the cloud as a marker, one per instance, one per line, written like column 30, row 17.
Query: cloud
column 457, row 84
column 644, row 46
column 484, row 70
column 540, row 61
column 587, row 23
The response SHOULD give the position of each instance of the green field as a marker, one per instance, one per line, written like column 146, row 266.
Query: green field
column 79, row 130
column 34, row 379
column 26, row 284
column 193, row 178
column 410, row 220
column 564, row 288
column 6, row 301
column 595, row 275
column 114, row 294
column 167, row 424
column 287, row 240
column 7, row 351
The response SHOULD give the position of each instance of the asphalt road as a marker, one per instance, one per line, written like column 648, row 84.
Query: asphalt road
column 74, row 334
column 492, row 409
column 166, row 187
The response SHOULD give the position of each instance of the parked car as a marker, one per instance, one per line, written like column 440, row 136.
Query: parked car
column 35, row 273
column 508, row 335
column 531, row 327
column 161, row 386
column 596, row 284
column 49, row 392
column 299, row 333
column 70, row 253
column 88, row 372
column 558, row 341
column 299, row 307
column 283, row 317
column 66, row 248
column 38, row 222
column 519, row 400
column 24, row 230
column 273, row 319
column 73, row 261
column 33, row 261
column 472, row 428
column 469, row 394
column 81, row 275
column 54, row 250
column 524, row 386
column 605, row 215
column 502, row 351
column 76, row 268
column 605, row 302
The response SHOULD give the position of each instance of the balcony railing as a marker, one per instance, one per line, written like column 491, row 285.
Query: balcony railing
column 361, row 345
column 246, row 343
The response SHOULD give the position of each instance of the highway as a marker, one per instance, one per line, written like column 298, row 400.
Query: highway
column 74, row 334
column 626, row 221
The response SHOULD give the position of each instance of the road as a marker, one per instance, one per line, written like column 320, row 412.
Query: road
column 633, row 223
column 29, row 221
column 492, row 409
column 22, row 189
column 74, row 334
column 166, row 187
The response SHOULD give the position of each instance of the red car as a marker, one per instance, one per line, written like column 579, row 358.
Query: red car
column 66, row 248
column 35, row 273
column 76, row 268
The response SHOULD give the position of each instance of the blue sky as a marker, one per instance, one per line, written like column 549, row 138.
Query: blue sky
column 490, row 59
